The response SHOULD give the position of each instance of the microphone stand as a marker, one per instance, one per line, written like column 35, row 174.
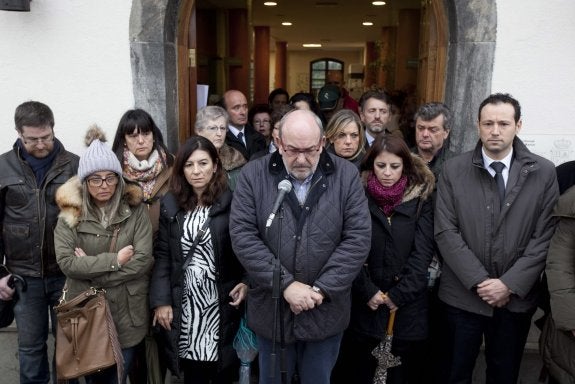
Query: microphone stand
column 278, row 310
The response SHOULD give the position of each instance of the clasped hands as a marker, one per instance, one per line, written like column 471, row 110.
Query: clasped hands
column 494, row 292
column 301, row 297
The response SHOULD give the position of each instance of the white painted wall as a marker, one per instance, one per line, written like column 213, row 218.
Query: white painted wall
column 72, row 55
column 534, row 59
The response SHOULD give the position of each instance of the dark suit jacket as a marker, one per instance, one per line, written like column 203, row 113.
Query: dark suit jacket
column 255, row 142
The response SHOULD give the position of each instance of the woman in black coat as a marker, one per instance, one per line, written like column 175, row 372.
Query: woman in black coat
column 398, row 186
column 197, row 308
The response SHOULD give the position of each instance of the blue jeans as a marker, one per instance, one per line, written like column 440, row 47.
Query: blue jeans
column 109, row 375
column 314, row 359
column 31, row 312
column 505, row 335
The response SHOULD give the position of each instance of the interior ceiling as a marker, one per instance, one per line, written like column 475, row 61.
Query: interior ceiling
column 335, row 24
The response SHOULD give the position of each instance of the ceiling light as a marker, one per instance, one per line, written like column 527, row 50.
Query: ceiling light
column 286, row 23
column 378, row 2
column 367, row 23
column 311, row 45
column 270, row 3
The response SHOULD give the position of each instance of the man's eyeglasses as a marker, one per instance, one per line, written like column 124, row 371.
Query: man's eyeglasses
column 214, row 129
column 37, row 140
column 307, row 152
column 98, row 181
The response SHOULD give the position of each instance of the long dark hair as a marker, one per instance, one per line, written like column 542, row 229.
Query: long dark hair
column 398, row 147
column 180, row 187
column 140, row 120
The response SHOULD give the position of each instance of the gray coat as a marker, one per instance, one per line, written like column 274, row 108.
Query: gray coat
column 324, row 243
column 477, row 241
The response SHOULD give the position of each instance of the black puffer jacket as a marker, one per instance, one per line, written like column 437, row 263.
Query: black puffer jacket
column 167, row 279
column 401, row 250
column 29, row 212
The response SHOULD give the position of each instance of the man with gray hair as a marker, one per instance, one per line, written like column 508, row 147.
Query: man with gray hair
column 432, row 127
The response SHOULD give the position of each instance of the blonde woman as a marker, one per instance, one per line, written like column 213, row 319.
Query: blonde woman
column 345, row 136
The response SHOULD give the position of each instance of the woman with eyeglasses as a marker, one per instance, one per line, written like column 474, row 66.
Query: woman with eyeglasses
column 197, row 280
column 345, row 136
column 212, row 123
column 103, row 239
column 259, row 116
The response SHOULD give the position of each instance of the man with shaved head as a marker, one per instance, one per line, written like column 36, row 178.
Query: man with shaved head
column 316, row 244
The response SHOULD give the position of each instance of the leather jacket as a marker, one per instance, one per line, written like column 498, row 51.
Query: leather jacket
column 28, row 212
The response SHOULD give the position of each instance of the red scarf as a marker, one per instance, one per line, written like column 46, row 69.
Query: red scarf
column 386, row 198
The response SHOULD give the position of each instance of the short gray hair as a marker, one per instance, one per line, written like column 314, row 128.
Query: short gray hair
column 207, row 114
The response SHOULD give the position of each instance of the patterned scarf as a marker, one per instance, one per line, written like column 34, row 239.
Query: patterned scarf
column 144, row 172
column 386, row 198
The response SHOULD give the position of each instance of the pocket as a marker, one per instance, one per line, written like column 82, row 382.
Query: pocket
column 138, row 302
column 17, row 244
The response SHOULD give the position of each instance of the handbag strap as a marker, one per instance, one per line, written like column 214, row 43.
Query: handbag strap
column 190, row 253
column 81, row 297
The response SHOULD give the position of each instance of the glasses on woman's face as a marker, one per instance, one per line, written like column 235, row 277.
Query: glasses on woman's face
column 98, row 181
column 262, row 122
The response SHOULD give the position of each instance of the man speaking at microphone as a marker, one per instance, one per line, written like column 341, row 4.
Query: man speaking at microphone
column 321, row 237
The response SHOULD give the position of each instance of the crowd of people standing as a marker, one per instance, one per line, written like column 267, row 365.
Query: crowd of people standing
column 323, row 239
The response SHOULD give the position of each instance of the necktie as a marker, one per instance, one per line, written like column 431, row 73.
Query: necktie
column 241, row 138
column 498, row 167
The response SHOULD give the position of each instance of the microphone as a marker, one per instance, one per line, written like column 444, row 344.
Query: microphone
column 284, row 187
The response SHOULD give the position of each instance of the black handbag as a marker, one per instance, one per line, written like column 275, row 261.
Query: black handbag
column 7, row 306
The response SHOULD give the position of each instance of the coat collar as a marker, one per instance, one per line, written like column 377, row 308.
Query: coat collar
column 171, row 207
column 520, row 153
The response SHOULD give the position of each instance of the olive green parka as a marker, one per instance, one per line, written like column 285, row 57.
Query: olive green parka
column 126, row 286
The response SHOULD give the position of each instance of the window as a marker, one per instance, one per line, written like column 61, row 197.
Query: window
column 324, row 71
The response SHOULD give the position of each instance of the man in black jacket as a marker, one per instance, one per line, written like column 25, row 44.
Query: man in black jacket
column 30, row 174
column 241, row 135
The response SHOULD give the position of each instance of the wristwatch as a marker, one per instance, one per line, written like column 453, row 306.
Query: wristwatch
column 317, row 290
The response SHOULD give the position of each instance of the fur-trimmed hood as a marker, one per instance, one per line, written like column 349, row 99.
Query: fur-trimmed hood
column 69, row 199
column 423, row 190
column 231, row 158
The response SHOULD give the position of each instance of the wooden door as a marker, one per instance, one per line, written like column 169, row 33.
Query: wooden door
column 432, row 52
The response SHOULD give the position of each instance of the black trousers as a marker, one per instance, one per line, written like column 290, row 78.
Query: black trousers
column 505, row 335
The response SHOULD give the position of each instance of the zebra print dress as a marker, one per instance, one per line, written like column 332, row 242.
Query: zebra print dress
column 199, row 334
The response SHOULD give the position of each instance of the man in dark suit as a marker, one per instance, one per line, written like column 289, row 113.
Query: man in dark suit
column 241, row 135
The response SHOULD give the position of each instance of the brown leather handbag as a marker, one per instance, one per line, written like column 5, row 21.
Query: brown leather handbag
column 86, row 338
